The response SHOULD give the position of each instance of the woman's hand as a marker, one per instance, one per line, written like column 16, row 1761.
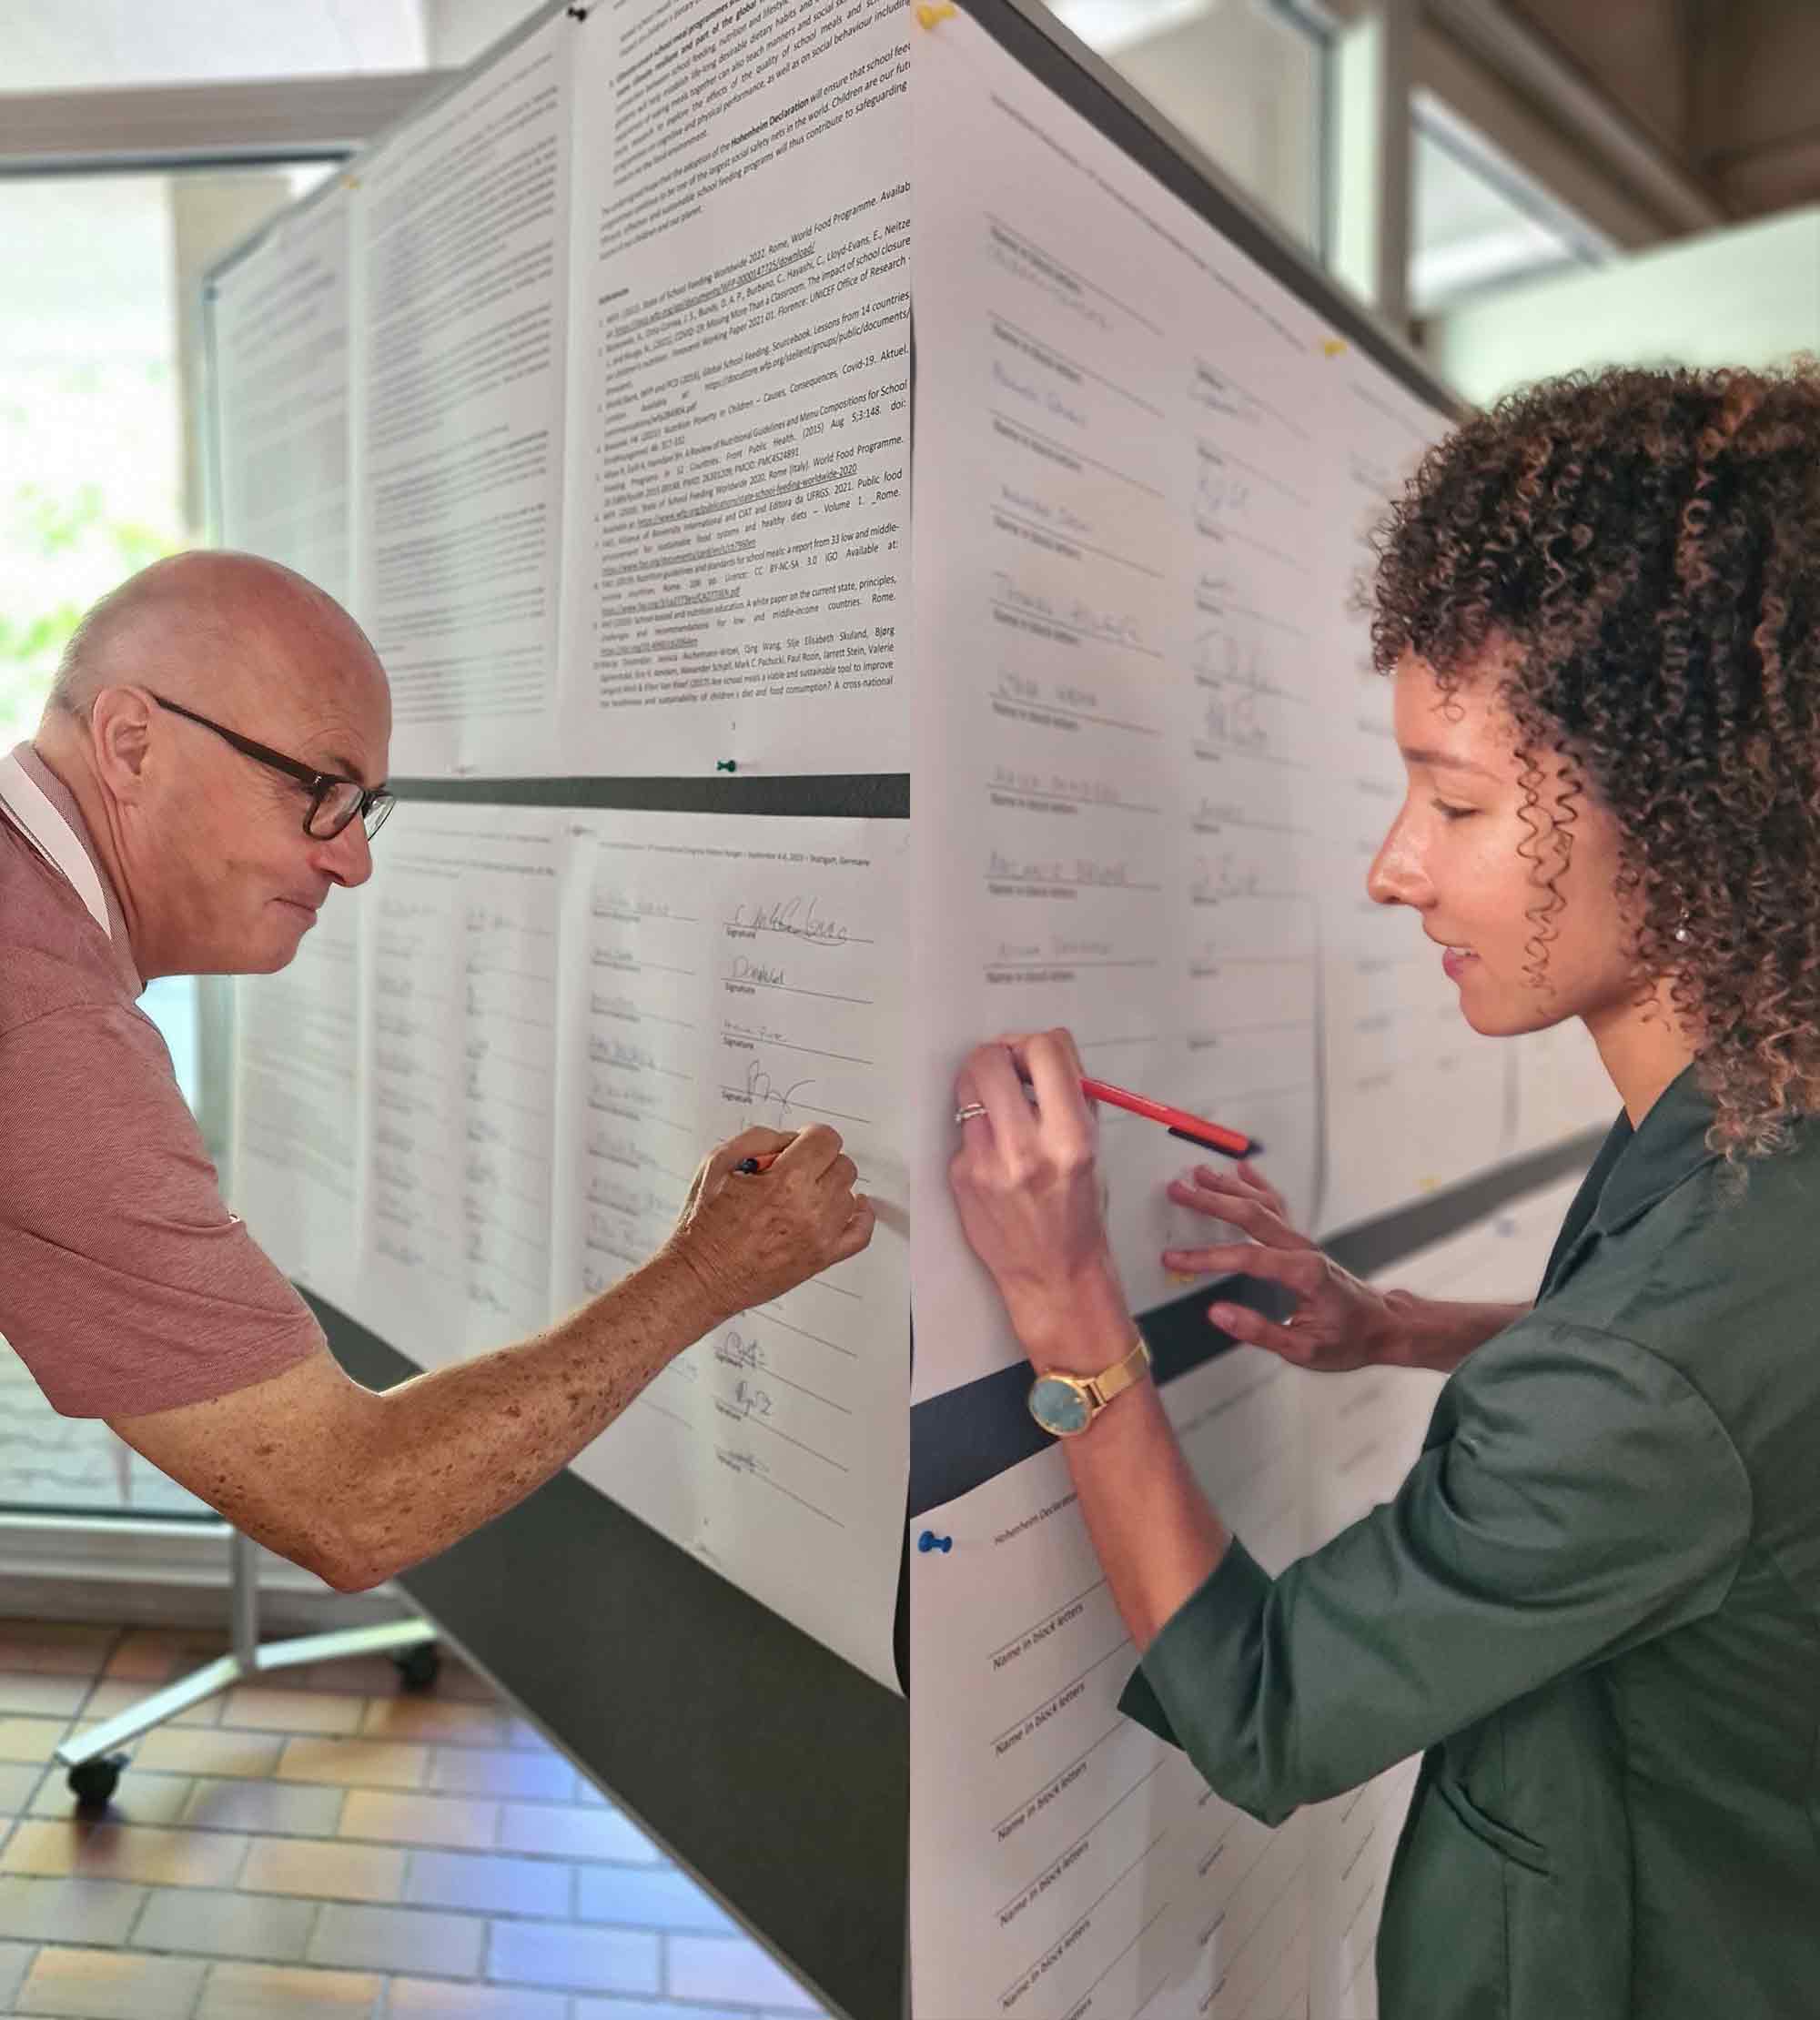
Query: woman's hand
column 1025, row 1181
column 1338, row 1322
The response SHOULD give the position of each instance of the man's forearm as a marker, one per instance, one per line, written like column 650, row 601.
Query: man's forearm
column 449, row 1450
column 1438, row 1333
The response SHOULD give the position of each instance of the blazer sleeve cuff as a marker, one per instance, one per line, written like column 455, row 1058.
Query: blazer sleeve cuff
column 1170, row 1687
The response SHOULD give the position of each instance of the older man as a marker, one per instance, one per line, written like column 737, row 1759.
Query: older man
column 207, row 771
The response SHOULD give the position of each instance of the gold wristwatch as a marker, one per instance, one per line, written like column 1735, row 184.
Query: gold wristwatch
column 1064, row 1405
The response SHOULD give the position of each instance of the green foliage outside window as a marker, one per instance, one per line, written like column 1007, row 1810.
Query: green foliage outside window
column 53, row 539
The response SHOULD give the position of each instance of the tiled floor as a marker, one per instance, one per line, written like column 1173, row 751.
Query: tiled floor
column 323, row 1848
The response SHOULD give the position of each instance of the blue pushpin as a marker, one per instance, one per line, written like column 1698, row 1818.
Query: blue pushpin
column 929, row 1540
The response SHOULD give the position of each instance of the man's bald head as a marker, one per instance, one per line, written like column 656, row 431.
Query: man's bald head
column 208, row 627
column 210, row 846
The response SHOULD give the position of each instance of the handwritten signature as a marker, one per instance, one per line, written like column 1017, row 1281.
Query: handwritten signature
column 797, row 915
column 760, row 1088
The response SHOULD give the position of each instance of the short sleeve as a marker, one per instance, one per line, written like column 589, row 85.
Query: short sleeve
column 125, row 1285
column 1582, row 1498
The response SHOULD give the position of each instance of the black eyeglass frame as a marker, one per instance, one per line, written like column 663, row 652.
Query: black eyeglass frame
column 319, row 784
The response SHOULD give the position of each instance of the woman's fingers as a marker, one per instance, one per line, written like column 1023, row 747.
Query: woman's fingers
column 1247, row 1174
column 1048, row 1061
column 1245, row 1210
column 1251, row 1328
column 1300, row 1269
column 989, row 1078
column 1027, row 1081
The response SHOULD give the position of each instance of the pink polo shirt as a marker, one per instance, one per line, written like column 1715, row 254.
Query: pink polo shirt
column 126, row 1286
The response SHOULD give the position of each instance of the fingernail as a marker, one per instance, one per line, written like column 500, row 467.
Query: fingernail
column 1223, row 1315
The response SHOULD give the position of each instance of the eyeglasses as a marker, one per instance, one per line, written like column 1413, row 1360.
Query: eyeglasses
column 334, row 801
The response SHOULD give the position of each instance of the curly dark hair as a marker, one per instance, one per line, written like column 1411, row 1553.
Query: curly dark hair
column 1645, row 546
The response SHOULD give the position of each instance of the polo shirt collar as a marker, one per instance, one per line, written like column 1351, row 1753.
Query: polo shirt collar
column 1667, row 1148
column 63, row 799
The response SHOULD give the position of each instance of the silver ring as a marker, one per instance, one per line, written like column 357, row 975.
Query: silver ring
column 968, row 1113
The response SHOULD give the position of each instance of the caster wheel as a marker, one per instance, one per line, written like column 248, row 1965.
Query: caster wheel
column 419, row 1667
column 93, row 1783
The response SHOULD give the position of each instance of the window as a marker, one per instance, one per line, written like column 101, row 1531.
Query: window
column 1243, row 79
column 98, row 481
column 1481, row 221
column 95, row 481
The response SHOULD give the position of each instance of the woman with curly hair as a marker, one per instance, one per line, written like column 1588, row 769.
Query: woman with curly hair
column 1595, row 1602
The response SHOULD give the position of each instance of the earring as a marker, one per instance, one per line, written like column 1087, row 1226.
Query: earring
column 1682, row 934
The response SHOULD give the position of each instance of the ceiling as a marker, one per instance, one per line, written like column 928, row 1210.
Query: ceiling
column 1729, row 90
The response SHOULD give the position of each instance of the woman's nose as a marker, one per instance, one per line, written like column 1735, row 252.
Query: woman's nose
column 1397, row 875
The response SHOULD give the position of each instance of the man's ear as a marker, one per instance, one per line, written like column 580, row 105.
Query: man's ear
column 120, row 735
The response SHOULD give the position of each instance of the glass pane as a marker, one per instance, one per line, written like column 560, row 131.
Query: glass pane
column 1242, row 81
column 1479, row 220
column 95, row 482
column 88, row 414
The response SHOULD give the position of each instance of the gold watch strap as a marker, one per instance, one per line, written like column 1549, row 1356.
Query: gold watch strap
column 1122, row 1375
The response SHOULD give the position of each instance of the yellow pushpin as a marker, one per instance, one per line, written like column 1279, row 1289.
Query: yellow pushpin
column 1332, row 347
column 928, row 14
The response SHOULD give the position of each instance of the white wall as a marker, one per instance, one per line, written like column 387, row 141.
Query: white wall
column 1745, row 297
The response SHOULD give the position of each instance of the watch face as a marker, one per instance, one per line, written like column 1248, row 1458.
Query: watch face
column 1058, row 1405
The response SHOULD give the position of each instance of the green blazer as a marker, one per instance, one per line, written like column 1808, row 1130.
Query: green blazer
column 1595, row 1602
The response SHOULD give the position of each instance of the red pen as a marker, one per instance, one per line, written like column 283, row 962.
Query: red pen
column 1194, row 1129
column 762, row 1162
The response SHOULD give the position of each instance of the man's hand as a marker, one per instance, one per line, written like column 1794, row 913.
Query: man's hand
column 358, row 1486
column 750, row 1237
column 1338, row 1322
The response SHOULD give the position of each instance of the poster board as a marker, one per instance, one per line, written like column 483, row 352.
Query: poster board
column 687, row 451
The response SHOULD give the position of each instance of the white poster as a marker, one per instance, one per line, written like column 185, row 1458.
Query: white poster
column 1066, row 1864
column 460, row 315
column 739, row 505
column 721, row 972
column 299, row 1161
column 1562, row 1089
column 1131, row 442
column 281, row 371
column 459, row 1015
